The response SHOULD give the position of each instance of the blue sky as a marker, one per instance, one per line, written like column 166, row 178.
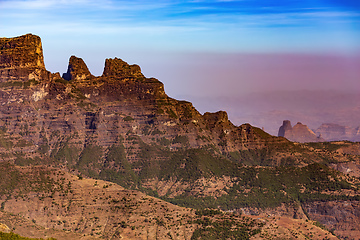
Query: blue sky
column 218, row 26
column 202, row 47
column 149, row 32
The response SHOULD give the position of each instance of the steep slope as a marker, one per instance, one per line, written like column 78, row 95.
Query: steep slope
column 122, row 127
column 22, row 59
column 48, row 202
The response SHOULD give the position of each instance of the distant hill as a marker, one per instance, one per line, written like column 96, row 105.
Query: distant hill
column 336, row 132
column 326, row 132
column 298, row 133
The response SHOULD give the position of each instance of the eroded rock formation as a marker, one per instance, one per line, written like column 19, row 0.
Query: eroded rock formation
column 77, row 70
column 298, row 133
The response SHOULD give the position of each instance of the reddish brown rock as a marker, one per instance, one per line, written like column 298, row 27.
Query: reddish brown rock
column 120, row 69
column 77, row 70
column 21, row 58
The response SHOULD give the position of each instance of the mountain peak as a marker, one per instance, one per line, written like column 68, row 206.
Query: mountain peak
column 298, row 133
column 77, row 70
column 284, row 128
column 118, row 68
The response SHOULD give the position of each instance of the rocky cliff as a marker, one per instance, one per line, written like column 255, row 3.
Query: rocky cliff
column 122, row 127
column 298, row 133
column 98, row 110
column 21, row 58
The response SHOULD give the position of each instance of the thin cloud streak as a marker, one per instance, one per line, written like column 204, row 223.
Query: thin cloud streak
column 48, row 4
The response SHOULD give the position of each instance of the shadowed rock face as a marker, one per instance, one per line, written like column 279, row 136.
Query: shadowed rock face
column 341, row 216
column 286, row 127
column 298, row 133
column 21, row 58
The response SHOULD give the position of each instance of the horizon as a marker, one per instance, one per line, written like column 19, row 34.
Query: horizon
column 210, row 50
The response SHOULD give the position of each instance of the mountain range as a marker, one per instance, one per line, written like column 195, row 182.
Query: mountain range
column 114, row 157
column 326, row 132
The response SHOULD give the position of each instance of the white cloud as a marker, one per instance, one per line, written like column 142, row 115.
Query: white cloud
column 46, row 4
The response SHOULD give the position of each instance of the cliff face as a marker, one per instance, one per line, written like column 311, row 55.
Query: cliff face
column 100, row 109
column 122, row 127
column 21, row 58
column 298, row 133
column 343, row 217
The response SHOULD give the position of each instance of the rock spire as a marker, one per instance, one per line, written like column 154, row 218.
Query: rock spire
column 77, row 70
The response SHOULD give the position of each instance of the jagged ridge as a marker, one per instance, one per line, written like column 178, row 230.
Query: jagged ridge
column 123, row 127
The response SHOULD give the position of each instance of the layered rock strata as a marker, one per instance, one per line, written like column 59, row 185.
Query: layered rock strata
column 21, row 59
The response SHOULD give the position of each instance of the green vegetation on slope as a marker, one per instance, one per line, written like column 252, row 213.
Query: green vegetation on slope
column 216, row 225
column 270, row 187
column 15, row 182
column 14, row 236
column 249, row 186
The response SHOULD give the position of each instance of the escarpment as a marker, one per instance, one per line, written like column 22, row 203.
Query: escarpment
column 98, row 110
column 122, row 127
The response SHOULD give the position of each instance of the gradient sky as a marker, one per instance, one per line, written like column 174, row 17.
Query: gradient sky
column 200, row 47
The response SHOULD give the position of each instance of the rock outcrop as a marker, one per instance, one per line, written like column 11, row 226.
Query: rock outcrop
column 343, row 217
column 77, row 70
column 286, row 127
column 4, row 228
column 120, row 69
column 298, row 133
column 21, row 59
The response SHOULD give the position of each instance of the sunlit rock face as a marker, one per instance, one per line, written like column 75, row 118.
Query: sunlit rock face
column 77, row 70
column 101, row 110
column 21, row 59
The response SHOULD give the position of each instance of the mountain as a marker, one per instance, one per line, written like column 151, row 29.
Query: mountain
column 326, row 132
column 336, row 132
column 122, row 128
column 267, row 109
column 298, row 133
